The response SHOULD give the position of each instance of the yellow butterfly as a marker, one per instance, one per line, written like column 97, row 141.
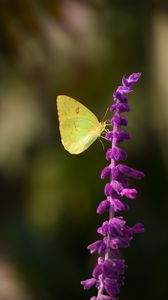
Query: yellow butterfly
column 79, row 127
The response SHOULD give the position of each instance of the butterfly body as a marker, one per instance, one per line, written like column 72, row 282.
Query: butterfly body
column 79, row 127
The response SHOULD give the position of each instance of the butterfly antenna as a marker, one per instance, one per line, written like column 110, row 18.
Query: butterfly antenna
column 105, row 113
column 101, row 143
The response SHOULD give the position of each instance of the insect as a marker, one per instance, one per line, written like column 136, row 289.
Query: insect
column 79, row 127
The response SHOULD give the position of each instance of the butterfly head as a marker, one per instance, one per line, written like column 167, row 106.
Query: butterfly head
column 102, row 126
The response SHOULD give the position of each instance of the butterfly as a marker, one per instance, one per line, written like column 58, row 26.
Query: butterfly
column 79, row 127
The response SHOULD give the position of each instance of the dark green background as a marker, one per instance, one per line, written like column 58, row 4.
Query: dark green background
column 49, row 197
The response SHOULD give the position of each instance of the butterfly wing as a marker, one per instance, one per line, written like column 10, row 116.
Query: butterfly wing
column 77, row 125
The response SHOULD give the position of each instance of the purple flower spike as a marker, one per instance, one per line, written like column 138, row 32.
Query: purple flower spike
column 115, row 234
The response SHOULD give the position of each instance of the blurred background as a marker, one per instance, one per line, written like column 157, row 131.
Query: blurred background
column 49, row 197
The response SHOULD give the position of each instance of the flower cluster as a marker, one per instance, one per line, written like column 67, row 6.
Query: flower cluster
column 108, row 274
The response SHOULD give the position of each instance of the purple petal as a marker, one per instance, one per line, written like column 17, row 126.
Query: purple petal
column 113, row 107
column 113, row 268
column 109, row 136
column 115, row 231
column 110, row 287
column 119, row 120
column 124, row 89
column 113, row 244
column 138, row 228
column 119, row 264
column 118, row 221
column 97, row 271
column 121, row 135
column 127, row 171
column 103, row 207
column 124, row 182
column 109, row 154
column 105, row 172
column 102, row 248
column 123, row 242
column 97, row 246
column 129, row 193
column 105, row 297
column 122, row 107
column 103, row 230
column 108, row 189
column 118, row 153
column 87, row 284
column 116, row 175
column 123, row 121
column 115, row 252
column 120, row 96
column 133, row 78
column 100, row 260
column 119, row 205
column 116, row 186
